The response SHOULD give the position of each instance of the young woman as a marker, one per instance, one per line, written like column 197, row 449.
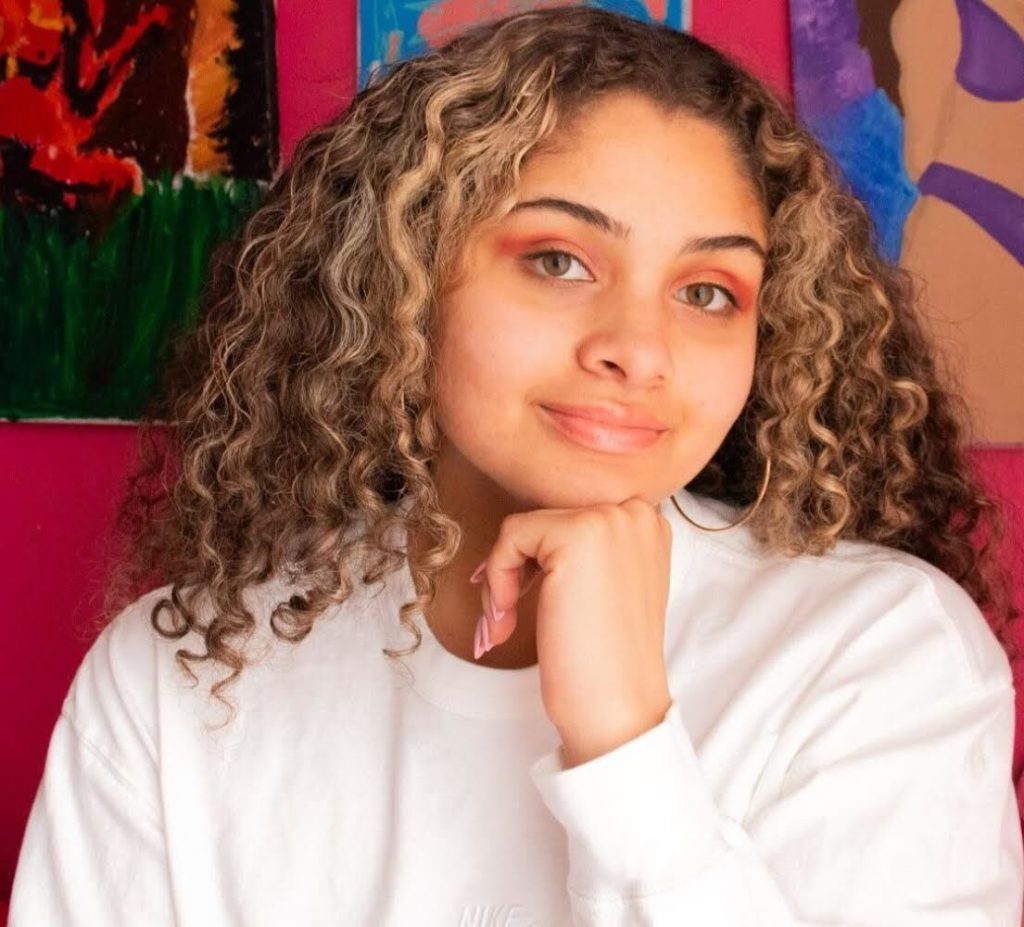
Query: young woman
column 569, row 324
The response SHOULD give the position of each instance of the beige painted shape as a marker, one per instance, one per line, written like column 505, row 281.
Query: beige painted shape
column 974, row 287
column 973, row 303
column 927, row 74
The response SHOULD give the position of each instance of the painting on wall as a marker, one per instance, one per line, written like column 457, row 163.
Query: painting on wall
column 133, row 138
column 922, row 104
column 390, row 32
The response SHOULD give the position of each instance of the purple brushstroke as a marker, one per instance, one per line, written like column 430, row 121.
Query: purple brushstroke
column 830, row 68
column 999, row 211
column 991, row 64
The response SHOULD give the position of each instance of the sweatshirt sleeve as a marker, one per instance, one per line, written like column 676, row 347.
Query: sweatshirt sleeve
column 93, row 851
column 904, row 819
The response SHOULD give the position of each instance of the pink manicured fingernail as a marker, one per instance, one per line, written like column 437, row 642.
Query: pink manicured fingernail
column 481, row 641
column 495, row 614
column 478, row 572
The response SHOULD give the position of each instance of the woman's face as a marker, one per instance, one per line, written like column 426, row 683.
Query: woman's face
column 625, row 279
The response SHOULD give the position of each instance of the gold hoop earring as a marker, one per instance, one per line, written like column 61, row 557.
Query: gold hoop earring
column 735, row 524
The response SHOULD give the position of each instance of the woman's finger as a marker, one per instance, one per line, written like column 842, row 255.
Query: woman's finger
column 511, row 569
column 492, row 631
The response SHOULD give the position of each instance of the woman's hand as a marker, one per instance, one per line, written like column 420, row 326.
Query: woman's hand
column 600, row 616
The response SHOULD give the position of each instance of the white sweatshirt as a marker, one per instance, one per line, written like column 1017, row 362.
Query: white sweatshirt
column 837, row 753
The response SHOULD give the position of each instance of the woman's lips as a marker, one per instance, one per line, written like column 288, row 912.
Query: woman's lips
column 598, row 436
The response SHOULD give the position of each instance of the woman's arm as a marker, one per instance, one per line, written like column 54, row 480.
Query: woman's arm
column 896, row 807
column 93, row 851
column 94, row 847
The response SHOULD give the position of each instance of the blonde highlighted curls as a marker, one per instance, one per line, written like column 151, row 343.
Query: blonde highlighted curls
column 301, row 406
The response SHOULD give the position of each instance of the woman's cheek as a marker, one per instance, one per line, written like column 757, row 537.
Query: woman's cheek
column 718, row 386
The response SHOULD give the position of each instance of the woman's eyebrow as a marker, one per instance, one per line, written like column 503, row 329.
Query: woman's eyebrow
column 606, row 223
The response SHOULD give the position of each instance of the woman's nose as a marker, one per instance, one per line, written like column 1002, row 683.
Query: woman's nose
column 631, row 341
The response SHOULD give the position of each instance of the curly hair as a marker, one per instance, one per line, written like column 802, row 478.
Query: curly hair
column 302, row 406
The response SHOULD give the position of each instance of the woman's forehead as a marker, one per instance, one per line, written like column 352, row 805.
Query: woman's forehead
column 625, row 141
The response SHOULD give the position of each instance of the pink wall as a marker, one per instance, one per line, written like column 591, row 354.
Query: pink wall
column 60, row 481
column 316, row 65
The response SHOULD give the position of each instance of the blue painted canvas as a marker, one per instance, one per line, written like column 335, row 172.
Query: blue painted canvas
column 400, row 29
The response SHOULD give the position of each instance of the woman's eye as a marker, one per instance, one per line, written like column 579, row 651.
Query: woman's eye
column 711, row 298
column 557, row 263
column 707, row 297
